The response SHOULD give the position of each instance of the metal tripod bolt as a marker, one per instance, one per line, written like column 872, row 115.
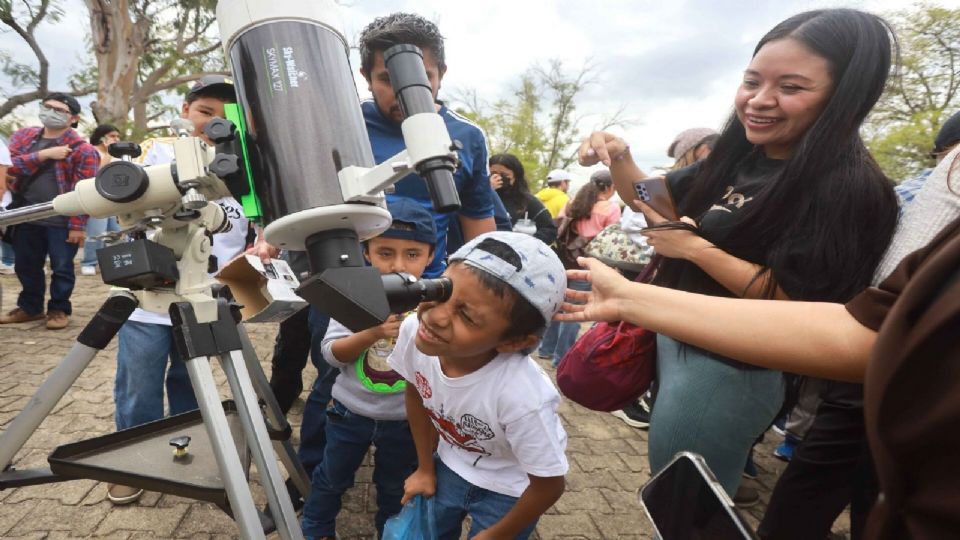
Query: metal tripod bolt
column 180, row 445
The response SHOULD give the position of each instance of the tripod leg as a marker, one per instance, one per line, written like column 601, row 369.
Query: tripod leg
column 215, row 421
column 254, row 426
column 95, row 336
column 275, row 416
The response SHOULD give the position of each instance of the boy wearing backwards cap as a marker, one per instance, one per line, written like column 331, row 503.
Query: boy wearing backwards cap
column 471, row 380
column 368, row 396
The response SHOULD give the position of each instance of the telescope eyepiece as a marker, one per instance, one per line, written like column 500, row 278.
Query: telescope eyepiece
column 405, row 292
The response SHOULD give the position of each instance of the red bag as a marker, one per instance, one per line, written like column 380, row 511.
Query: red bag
column 612, row 364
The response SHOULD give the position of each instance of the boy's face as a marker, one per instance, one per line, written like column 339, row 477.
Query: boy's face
column 378, row 81
column 200, row 111
column 390, row 255
column 471, row 324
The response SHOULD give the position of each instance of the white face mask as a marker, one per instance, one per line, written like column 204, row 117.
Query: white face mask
column 54, row 119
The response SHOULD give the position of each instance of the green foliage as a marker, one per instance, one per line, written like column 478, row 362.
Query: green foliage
column 901, row 128
column 538, row 122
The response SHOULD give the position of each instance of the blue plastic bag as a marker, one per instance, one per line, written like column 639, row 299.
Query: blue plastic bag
column 414, row 522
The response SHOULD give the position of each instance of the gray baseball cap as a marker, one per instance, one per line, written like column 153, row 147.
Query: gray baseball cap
column 538, row 275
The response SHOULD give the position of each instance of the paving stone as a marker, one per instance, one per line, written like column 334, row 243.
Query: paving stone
column 608, row 459
column 160, row 521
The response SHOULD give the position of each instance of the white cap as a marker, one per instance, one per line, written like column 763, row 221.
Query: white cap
column 558, row 175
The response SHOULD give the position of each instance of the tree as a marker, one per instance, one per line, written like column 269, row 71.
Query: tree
column 28, row 82
column 140, row 50
column 145, row 47
column 519, row 125
column 901, row 128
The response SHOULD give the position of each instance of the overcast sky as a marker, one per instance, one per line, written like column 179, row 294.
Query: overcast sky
column 672, row 64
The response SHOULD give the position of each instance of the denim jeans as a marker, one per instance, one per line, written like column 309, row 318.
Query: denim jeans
column 560, row 336
column 456, row 499
column 349, row 436
column 6, row 254
column 96, row 227
column 32, row 244
column 714, row 408
column 143, row 354
column 313, row 437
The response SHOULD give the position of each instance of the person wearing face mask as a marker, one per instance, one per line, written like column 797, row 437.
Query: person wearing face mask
column 48, row 160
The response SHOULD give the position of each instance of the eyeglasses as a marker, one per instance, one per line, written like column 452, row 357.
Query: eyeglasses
column 55, row 109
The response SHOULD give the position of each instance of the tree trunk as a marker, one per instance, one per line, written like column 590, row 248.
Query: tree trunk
column 119, row 40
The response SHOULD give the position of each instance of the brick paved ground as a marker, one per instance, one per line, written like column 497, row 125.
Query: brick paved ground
column 608, row 460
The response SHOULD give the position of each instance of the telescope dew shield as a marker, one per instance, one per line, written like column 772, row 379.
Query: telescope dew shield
column 301, row 113
column 412, row 88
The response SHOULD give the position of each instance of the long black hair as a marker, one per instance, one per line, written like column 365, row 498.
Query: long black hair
column 830, row 194
column 514, row 195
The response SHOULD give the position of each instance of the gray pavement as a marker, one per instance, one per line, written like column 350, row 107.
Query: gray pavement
column 608, row 460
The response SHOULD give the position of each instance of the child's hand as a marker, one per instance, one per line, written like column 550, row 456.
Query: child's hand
column 419, row 483
column 389, row 329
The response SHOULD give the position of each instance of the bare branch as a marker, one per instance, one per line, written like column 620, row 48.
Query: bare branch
column 177, row 81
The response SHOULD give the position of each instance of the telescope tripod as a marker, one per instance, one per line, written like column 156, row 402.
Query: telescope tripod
column 220, row 437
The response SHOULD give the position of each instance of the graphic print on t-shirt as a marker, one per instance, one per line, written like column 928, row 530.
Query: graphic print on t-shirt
column 464, row 434
column 732, row 199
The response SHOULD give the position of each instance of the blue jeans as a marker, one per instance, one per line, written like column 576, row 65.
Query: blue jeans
column 142, row 373
column 456, row 499
column 714, row 408
column 560, row 336
column 32, row 244
column 349, row 436
column 313, row 437
column 96, row 227
column 6, row 254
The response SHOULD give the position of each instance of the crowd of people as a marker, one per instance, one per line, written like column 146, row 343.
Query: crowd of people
column 790, row 293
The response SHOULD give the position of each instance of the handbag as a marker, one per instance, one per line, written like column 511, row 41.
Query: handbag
column 614, row 247
column 612, row 364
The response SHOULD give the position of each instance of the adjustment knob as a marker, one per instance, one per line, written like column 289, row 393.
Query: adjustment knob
column 193, row 200
column 123, row 149
column 223, row 165
column 180, row 445
column 220, row 130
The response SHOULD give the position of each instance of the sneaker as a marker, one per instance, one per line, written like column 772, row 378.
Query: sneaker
column 637, row 414
column 88, row 270
column 121, row 495
column 6, row 269
column 746, row 497
column 57, row 320
column 17, row 315
column 785, row 450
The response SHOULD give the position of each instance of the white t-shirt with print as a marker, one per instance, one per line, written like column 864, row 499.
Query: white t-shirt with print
column 497, row 424
column 226, row 245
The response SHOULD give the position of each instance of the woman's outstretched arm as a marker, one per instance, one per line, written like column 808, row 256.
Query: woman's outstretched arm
column 809, row 338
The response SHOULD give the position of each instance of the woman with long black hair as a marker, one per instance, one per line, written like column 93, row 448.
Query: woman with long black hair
column 790, row 205
column 508, row 179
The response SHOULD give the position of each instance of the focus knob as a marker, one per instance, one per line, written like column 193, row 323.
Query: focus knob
column 123, row 149
column 193, row 200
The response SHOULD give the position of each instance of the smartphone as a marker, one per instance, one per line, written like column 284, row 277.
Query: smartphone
column 684, row 501
column 656, row 193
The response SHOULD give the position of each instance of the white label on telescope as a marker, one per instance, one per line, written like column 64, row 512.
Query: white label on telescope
column 282, row 67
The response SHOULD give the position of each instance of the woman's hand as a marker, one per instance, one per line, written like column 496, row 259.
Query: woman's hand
column 603, row 302
column 602, row 147
column 675, row 243
column 496, row 181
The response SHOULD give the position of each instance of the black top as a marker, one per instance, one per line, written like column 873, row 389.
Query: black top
column 43, row 185
column 715, row 226
column 531, row 206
